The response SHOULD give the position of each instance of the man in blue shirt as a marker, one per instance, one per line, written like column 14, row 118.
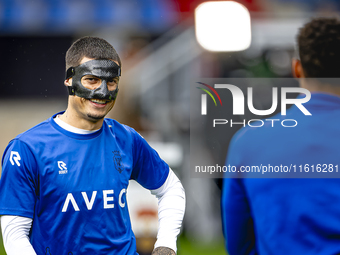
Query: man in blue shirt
column 64, row 181
column 292, row 215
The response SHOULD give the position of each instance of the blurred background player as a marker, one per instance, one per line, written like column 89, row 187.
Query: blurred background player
column 65, row 180
column 291, row 215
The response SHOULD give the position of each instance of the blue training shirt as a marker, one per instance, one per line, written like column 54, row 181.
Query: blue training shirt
column 74, row 186
column 286, row 215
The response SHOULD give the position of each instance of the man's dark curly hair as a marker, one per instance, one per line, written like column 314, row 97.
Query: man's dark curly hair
column 319, row 48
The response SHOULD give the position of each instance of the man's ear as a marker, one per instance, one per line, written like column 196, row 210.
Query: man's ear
column 68, row 82
column 297, row 69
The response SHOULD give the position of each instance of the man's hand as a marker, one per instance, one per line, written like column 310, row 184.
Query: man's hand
column 163, row 251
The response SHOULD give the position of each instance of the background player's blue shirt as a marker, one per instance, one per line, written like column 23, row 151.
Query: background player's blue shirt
column 74, row 186
column 286, row 216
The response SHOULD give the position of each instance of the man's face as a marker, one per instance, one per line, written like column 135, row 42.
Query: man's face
column 92, row 109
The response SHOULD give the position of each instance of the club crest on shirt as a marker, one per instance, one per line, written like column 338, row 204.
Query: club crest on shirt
column 117, row 159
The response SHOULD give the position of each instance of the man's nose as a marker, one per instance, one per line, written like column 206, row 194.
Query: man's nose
column 102, row 90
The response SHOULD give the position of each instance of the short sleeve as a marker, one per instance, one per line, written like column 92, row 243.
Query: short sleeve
column 149, row 169
column 18, row 183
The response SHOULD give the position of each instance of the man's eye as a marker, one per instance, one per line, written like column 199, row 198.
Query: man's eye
column 113, row 80
column 91, row 79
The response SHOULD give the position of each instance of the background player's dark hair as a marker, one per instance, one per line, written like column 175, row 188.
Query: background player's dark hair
column 91, row 47
column 319, row 48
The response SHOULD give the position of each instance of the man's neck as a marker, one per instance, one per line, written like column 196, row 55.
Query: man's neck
column 313, row 85
column 70, row 128
column 72, row 118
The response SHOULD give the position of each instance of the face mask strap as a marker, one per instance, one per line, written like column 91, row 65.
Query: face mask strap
column 69, row 73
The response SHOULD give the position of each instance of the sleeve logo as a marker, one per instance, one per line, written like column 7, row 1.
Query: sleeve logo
column 15, row 157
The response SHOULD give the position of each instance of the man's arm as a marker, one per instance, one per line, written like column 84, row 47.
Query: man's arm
column 17, row 197
column 238, row 225
column 237, row 218
column 171, row 207
column 15, row 231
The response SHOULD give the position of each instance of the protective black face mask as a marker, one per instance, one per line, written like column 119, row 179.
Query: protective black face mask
column 104, row 69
